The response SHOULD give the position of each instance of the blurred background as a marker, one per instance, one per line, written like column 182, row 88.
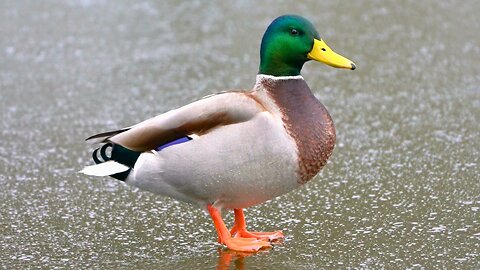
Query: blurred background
column 401, row 190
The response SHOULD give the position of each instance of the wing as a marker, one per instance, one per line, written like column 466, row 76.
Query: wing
column 196, row 118
column 104, row 136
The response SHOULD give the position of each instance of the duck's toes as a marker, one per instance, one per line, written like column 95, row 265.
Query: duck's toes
column 267, row 236
column 246, row 244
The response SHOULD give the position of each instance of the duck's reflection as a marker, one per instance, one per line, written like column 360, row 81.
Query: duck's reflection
column 225, row 257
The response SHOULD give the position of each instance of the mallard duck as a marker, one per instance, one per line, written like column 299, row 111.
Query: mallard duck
column 234, row 149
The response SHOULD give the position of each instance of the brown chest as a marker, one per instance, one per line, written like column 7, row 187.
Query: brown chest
column 307, row 122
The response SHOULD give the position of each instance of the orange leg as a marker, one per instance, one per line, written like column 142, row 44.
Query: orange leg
column 240, row 229
column 237, row 243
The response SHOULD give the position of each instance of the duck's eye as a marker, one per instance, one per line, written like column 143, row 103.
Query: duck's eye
column 323, row 49
column 294, row 32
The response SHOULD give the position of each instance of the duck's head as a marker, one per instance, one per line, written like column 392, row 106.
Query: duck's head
column 289, row 42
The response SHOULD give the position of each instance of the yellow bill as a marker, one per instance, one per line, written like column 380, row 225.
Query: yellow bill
column 322, row 53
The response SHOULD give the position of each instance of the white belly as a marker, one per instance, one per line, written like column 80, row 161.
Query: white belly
column 234, row 166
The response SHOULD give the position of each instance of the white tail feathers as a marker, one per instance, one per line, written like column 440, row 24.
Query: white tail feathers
column 104, row 169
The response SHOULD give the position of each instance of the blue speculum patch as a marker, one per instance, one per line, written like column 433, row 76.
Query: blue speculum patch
column 177, row 141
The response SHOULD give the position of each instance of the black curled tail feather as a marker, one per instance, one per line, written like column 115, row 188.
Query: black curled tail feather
column 118, row 153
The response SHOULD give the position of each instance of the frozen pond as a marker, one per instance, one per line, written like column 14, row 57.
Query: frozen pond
column 402, row 189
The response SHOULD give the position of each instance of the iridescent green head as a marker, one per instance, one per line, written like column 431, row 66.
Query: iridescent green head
column 289, row 42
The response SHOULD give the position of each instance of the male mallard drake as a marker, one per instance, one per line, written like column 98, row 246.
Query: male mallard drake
column 235, row 149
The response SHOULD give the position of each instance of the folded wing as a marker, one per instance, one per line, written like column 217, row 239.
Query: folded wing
column 196, row 118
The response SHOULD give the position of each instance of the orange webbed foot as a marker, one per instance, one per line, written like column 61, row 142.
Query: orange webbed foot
column 240, row 229
column 242, row 240
column 267, row 236
column 246, row 244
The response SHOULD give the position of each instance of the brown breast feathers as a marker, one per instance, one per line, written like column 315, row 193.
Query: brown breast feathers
column 307, row 121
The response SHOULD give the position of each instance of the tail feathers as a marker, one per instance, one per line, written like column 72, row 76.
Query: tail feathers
column 113, row 160
column 105, row 169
